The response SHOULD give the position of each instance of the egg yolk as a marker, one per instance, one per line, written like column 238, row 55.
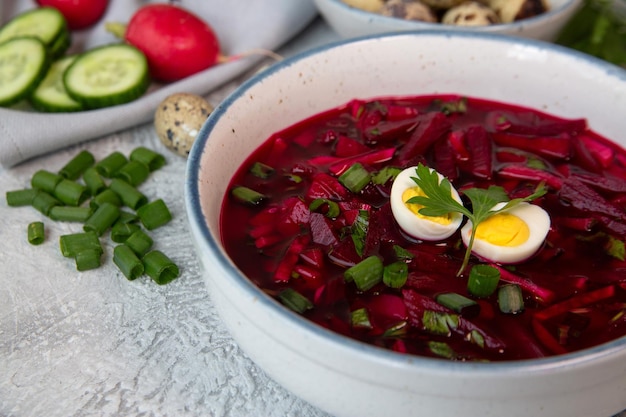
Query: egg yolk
column 415, row 208
column 503, row 229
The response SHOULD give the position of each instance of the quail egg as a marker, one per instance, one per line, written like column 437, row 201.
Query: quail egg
column 510, row 236
column 429, row 228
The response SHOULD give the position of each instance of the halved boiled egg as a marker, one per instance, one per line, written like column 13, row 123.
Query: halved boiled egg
column 510, row 236
column 431, row 228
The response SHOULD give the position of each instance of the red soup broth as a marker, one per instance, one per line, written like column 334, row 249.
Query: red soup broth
column 574, row 287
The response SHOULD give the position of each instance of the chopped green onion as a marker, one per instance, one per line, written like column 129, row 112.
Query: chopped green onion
column 358, row 231
column 109, row 166
column 43, row 202
column 102, row 219
column 74, row 243
column 325, row 206
column 355, row 178
column 294, row 300
column 18, row 198
column 441, row 349
column 130, row 196
column 70, row 213
column 395, row 274
column 88, row 259
column 476, row 338
column 366, row 273
column 77, row 165
column 154, row 214
column 260, row 170
column 159, row 267
column 247, row 195
column 133, row 172
column 122, row 231
column 360, row 318
column 510, row 299
column 105, row 196
column 402, row 254
column 397, row 330
column 387, row 173
column 139, row 242
column 459, row 304
column 45, row 180
column 36, row 233
column 483, row 280
column 153, row 159
column 94, row 181
column 439, row 323
column 127, row 217
column 71, row 192
column 128, row 262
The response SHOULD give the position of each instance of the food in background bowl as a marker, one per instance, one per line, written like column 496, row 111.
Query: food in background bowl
column 339, row 374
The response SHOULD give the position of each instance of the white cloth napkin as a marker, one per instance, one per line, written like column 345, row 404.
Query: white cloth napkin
column 241, row 25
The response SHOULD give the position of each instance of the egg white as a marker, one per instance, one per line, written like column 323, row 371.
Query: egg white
column 413, row 225
column 538, row 222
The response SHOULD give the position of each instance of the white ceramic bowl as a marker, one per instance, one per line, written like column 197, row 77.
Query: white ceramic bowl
column 349, row 378
column 351, row 22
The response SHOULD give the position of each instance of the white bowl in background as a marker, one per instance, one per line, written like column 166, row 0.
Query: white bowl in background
column 351, row 22
column 349, row 378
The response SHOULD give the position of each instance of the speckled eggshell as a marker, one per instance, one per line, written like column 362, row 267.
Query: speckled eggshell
column 178, row 120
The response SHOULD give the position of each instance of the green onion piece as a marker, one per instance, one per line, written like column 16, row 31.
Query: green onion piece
column 88, row 259
column 483, row 280
column 366, row 273
column 510, row 299
column 139, row 242
column 94, row 181
column 159, row 267
column 70, row 213
column 397, row 330
column 387, row 173
column 441, row 349
column 77, row 165
column 402, row 254
column 18, row 198
column 358, row 231
column 43, row 202
column 122, row 231
column 101, row 219
column 360, row 318
column 395, row 274
column 476, row 338
column 459, row 304
column 153, row 159
column 105, row 196
column 133, row 172
column 260, row 170
column 439, row 323
column 130, row 196
column 36, row 233
column 247, row 195
column 154, row 214
column 70, row 192
column 45, row 180
column 109, row 166
column 325, row 206
column 128, row 262
column 355, row 178
column 294, row 300
column 127, row 217
column 74, row 243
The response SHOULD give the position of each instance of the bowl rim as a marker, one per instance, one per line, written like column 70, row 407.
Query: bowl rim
column 205, row 241
column 496, row 27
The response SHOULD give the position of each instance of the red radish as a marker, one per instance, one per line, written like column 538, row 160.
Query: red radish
column 176, row 42
column 80, row 14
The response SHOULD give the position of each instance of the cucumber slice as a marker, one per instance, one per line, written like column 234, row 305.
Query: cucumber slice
column 45, row 23
column 107, row 75
column 50, row 95
column 23, row 64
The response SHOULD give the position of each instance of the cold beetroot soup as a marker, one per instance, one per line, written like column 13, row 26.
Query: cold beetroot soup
column 310, row 219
